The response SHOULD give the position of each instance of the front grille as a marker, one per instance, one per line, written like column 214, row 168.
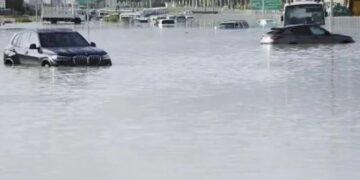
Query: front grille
column 80, row 60
column 91, row 60
column 94, row 60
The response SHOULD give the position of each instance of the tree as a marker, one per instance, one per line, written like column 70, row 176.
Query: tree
column 16, row 5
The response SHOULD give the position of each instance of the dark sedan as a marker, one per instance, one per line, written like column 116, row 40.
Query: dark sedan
column 301, row 34
column 54, row 47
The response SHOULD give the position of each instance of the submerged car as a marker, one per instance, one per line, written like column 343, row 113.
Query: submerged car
column 302, row 34
column 54, row 47
column 234, row 24
column 166, row 23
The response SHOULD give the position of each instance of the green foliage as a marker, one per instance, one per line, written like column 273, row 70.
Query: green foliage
column 341, row 10
column 112, row 18
column 17, row 5
column 22, row 19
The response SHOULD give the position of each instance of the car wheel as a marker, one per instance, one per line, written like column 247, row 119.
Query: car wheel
column 45, row 64
column 9, row 62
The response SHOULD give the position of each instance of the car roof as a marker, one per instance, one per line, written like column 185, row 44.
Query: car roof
column 293, row 26
column 233, row 21
column 48, row 30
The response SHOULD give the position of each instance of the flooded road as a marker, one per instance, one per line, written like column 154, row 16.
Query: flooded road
column 185, row 103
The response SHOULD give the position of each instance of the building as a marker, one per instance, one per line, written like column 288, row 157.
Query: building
column 15, row 5
column 111, row 4
column 2, row 4
column 32, row 3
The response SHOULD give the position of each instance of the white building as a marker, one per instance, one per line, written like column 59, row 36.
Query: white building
column 2, row 4
column 55, row 2
column 32, row 3
column 111, row 4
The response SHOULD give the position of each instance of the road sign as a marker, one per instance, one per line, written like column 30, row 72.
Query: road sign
column 269, row 4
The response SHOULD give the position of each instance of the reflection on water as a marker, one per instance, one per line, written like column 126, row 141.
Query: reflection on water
column 184, row 103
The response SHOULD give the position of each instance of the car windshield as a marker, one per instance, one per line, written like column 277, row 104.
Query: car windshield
column 227, row 25
column 167, row 22
column 304, row 14
column 62, row 39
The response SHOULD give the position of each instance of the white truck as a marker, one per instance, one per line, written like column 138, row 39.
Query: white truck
column 304, row 12
column 59, row 13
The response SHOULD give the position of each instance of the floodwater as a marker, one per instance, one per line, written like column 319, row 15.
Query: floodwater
column 185, row 104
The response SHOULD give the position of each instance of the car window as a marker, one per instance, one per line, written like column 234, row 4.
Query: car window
column 62, row 39
column 14, row 40
column 34, row 39
column 18, row 40
column 25, row 40
column 301, row 30
column 318, row 31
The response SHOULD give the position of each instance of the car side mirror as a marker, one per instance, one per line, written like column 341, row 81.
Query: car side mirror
column 282, row 18
column 92, row 44
column 33, row 46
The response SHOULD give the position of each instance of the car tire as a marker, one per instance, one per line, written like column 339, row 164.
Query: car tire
column 45, row 63
column 77, row 21
column 9, row 62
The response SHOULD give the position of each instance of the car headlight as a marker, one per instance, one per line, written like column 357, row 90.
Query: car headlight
column 60, row 58
column 267, row 39
column 105, row 57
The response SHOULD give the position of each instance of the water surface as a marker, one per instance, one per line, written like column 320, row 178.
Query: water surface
column 184, row 103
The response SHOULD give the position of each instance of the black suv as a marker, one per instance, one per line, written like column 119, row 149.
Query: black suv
column 54, row 47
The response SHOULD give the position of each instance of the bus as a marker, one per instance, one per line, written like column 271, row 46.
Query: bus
column 304, row 12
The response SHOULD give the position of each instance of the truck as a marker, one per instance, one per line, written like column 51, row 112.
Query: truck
column 54, row 14
column 304, row 12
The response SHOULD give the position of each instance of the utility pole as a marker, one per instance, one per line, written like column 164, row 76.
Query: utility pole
column 87, row 19
column 36, row 10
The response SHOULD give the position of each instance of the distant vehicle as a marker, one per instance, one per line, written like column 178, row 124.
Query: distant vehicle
column 53, row 47
column 266, row 23
column 180, row 19
column 304, row 12
column 141, row 19
column 171, row 17
column 166, row 23
column 234, row 24
column 300, row 34
column 188, row 17
column 59, row 13
column 156, row 19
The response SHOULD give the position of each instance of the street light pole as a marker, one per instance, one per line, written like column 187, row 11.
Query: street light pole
column 87, row 19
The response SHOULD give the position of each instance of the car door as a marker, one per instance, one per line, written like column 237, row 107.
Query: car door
column 11, row 51
column 302, row 34
column 32, row 55
column 321, row 35
column 22, row 48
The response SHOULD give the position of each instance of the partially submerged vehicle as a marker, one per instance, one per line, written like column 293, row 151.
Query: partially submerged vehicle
column 180, row 19
column 141, row 19
column 266, row 23
column 54, row 14
column 53, row 47
column 166, row 23
column 301, row 34
column 304, row 12
column 234, row 24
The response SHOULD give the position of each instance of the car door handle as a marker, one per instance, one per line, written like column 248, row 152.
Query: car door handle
column 26, row 52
